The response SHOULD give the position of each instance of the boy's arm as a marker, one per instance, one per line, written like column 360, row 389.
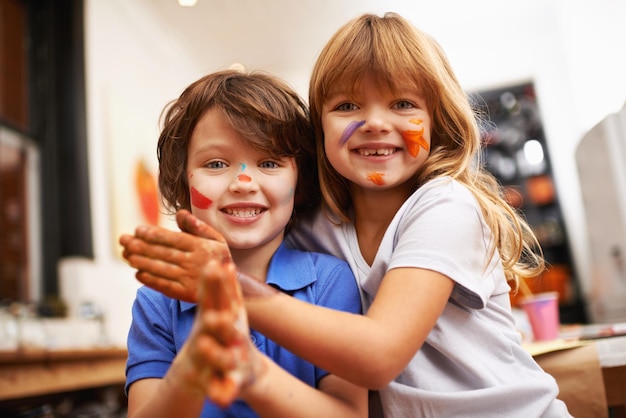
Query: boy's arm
column 214, row 360
column 270, row 390
column 219, row 361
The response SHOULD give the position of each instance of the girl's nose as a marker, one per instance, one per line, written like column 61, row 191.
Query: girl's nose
column 376, row 122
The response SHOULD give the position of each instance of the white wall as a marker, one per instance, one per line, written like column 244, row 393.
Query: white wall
column 127, row 59
column 572, row 50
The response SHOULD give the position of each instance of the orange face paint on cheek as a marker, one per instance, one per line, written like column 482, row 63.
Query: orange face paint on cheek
column 376, row 178
column 414, row 140
column 199, row 200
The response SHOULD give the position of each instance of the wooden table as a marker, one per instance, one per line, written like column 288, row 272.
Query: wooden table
column 39, row 372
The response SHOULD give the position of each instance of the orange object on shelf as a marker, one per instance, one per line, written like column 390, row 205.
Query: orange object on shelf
column 540, row 190
column 556, row 278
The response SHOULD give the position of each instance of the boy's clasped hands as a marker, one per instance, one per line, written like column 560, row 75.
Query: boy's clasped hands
column 218, row 359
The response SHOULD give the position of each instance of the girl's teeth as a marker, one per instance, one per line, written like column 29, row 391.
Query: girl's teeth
column 382, row 151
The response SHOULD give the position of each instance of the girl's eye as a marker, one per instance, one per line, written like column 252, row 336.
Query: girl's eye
column 269, row 164
column 404, row 105
column 216, row 164
column 345, row 107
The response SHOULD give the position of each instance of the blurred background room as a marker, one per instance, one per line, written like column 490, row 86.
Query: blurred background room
column 82, row 86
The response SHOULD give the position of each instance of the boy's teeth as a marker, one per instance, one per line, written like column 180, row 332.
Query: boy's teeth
column 243, row 213
column 381, row 151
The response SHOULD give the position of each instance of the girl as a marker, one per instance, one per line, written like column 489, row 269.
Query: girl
column 236, row 149
column 425, row 230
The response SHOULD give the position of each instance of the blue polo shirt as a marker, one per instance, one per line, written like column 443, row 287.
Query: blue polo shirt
column 160, row 325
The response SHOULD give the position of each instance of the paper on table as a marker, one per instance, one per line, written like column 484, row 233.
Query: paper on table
column 543, row 347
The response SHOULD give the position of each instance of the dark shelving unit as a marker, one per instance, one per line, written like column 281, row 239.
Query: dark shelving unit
column 516, row 153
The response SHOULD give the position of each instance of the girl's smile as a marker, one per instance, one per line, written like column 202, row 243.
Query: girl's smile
column 375, row 138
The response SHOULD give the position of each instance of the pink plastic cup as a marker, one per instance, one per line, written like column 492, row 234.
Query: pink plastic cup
column 542, row 310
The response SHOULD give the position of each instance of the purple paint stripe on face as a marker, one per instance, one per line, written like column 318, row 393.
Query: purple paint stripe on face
column 352, row 126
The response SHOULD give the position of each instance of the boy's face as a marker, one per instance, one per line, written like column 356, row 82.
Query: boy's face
column 375, row 138
column 243, row 193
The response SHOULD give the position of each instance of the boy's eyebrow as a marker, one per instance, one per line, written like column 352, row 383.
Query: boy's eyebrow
column 212, row 147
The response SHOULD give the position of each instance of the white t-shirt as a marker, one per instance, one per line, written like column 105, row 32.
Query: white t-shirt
column 472, row 363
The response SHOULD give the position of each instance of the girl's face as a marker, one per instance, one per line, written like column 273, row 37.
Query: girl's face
column 243, row 193
column 374, row 138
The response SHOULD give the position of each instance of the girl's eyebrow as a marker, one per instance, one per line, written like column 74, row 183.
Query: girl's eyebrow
column 339, row 91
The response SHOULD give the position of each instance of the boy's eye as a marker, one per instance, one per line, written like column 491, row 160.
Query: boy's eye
column 269, row 164
column 216, row 164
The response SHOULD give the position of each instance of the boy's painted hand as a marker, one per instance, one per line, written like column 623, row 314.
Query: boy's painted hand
column 220, row 294
column 215, row 245
column 171, row 262
column 215, row 359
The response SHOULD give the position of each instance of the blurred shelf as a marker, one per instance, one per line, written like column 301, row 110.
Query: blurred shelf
column 26, row 373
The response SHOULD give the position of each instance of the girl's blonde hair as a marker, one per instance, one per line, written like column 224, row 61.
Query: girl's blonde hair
column 396, row 54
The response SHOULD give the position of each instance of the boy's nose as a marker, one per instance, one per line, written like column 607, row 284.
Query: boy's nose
column 243, row 183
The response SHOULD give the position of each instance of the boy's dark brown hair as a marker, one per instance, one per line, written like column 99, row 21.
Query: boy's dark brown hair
column 261, row 108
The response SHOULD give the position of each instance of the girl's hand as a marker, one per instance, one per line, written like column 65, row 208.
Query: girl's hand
column 171, row 262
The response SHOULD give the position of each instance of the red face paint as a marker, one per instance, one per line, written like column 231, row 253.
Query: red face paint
column 199, row 200
column 244, row 178
column 415, row 139
column 376, row 178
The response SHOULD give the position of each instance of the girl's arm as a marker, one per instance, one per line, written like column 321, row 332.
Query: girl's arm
column 369, row 350
column 276, row 393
